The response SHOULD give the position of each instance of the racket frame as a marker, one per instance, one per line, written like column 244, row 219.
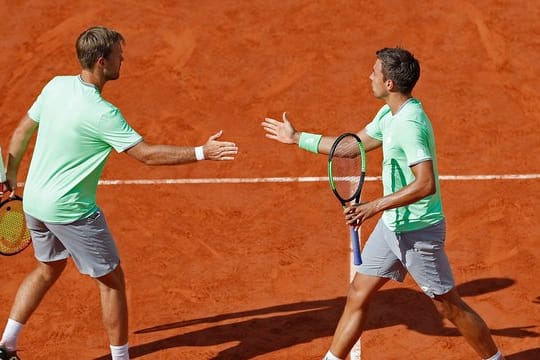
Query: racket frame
column 2, row 204
column 355, row 197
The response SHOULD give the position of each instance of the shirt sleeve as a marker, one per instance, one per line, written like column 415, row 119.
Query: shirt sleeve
column 116, row 132
column 414, row 140
column 374, row 129
column 35, row 110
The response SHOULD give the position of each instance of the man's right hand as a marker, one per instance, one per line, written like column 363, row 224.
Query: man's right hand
column 283, row 132
column 219, row 150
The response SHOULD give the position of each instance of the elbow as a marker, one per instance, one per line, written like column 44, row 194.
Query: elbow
column 143, row 153
column 429, row 189
column 144, row 158
column 148, row 159
column 425, row 189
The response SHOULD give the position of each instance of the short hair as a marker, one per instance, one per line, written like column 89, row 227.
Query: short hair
column 94, row 43
column 400, row 66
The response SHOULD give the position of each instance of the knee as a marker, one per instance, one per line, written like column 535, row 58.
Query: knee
column 49, row 272
column 362, row 289
column 449, row 308
column 113, row 280
column 444, row 310
column 356, row 295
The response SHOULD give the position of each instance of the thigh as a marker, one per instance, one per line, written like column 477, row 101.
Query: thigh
column 47, row 247
column 90, row 244
column 426, row 260
column 378, row 259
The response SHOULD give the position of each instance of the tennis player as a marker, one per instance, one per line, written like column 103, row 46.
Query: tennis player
column 76, row 130
column 410, row 235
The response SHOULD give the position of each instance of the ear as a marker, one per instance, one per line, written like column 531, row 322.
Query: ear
column 389, row 84
column 101, row 61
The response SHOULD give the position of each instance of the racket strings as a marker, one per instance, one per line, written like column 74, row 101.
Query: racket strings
column 14, row 236
column 346, row 165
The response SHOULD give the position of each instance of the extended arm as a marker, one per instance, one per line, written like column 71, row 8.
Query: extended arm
column 422, row 186
column 174, row 155
column 284, row 132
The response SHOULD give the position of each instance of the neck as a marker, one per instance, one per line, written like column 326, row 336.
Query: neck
column 396, row 100
column 93, row 78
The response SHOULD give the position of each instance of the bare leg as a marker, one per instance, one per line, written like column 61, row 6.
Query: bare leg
column 469, row 323
column 114, row 306
column 33, row 289
column 352, row 321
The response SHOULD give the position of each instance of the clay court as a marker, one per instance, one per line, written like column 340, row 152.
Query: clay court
column 226, row 269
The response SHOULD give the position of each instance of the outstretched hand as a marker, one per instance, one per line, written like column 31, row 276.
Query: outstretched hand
column 219, row 150
column 283, row 132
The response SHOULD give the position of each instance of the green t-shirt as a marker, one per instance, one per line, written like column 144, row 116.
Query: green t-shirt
column 77, row 131
column 407, row 139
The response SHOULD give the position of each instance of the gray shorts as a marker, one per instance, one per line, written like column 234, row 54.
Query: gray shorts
column 88, row 241
column 421, row 253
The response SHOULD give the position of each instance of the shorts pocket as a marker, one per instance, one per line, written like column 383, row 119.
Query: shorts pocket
column 94, row 217
column 428, row 247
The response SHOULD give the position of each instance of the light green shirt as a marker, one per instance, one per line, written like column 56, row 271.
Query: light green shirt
column 77, row 131
column 407, row 139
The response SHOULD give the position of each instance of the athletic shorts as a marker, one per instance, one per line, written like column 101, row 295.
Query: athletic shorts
column 420, row 252
column 88, row 241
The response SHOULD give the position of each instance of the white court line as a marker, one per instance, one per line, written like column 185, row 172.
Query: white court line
column 302, row 179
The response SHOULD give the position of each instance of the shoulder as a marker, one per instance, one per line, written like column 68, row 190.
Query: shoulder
column 414, row 113
column 109, row 110
column 108, row 114
column 62, row 80
column 382, row 114
column 384, row 110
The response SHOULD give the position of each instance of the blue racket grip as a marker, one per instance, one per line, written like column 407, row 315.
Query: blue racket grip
column 355, row 246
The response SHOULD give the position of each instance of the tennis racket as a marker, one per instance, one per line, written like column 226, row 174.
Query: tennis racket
column 14, row 235
column 346, row 173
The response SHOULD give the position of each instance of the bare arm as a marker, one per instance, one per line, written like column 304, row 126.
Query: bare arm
column 422, row 186
column 17, row 148
column 284, row 132
column 175, row 155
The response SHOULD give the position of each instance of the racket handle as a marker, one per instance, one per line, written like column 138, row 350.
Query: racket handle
column 2, row 170
column 355, row 246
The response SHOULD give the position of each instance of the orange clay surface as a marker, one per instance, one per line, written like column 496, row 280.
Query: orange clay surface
column 260, row 271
